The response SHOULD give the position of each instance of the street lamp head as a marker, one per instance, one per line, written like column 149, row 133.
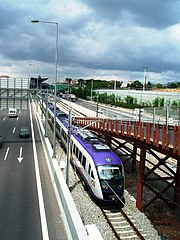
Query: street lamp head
column 35, row 21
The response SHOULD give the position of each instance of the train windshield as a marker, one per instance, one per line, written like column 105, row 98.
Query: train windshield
column 111, row 175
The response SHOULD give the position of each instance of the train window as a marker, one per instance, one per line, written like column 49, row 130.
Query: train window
column 74, row 148
column 62, row 133
column 109, row 172
column 77, row 152
column 65, row 137
column 89, row 169
column 92, row 174
column 84, row 162
column 80, row 155
column 58, row 127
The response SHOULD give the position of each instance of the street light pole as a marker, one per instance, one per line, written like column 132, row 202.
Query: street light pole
column 56, row 62
column 91, row 89
column 145, row 71
column 97, row 110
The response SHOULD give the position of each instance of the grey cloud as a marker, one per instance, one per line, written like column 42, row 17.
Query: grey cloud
column 119, row 35
column 156, row 14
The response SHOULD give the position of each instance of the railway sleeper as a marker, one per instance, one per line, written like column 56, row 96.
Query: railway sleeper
column 129, row 237
column 121, row 227
column 128, row 232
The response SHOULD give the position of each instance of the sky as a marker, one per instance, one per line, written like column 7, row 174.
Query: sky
column 101, row 39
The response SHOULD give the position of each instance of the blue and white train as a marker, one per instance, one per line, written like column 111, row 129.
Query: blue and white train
column 101, row 169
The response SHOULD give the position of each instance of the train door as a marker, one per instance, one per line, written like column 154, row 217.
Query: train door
column 91, row 178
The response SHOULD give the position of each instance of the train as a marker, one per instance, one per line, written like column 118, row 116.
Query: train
column 100, row 168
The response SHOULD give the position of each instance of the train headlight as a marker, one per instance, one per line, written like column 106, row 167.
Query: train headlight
column 104, row 185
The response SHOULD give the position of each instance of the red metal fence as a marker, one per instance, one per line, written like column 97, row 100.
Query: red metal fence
column 160, row 136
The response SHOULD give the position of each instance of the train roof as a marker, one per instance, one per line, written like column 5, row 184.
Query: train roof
column 99, row 151
column 60, row 114
column 86, row 135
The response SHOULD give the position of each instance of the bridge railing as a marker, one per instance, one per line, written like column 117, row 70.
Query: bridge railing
column 163, row 136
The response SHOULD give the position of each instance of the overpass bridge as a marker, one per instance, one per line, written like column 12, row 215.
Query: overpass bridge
column 161, row 141
column 16, row 92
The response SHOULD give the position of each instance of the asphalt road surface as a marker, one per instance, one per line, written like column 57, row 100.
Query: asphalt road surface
column 28, row 207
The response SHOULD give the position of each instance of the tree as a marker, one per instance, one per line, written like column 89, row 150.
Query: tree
column 135, row 85
column 159, row 85
column 149, row 85
column 69, row 80
column 81, row 82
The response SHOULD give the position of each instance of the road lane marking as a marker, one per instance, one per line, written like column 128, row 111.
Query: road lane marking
column 14, row 129
column 39, row 187
column 20, row 158
column 7, row 150
column 4, row 119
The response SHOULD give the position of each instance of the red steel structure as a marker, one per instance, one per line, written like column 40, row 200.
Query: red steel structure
column 158, row 140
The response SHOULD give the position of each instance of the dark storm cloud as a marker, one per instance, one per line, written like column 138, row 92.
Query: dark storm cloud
column 13, row 34
column 118, row 35
column 155, row 13
column 108, row 39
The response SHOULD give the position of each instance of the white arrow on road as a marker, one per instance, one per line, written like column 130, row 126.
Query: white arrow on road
column 20, row 158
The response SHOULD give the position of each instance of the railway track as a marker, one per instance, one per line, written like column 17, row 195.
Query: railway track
column 66, row 107
column 123, row 226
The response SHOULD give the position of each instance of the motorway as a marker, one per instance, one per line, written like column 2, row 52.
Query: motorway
column 28, row 207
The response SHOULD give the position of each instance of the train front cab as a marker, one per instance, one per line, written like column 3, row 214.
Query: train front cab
column 111, row 178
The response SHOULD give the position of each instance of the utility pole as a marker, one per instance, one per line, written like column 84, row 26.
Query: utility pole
column 145, row 77
column 97, row 110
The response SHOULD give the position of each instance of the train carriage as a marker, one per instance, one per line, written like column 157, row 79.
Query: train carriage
column 100, row 168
